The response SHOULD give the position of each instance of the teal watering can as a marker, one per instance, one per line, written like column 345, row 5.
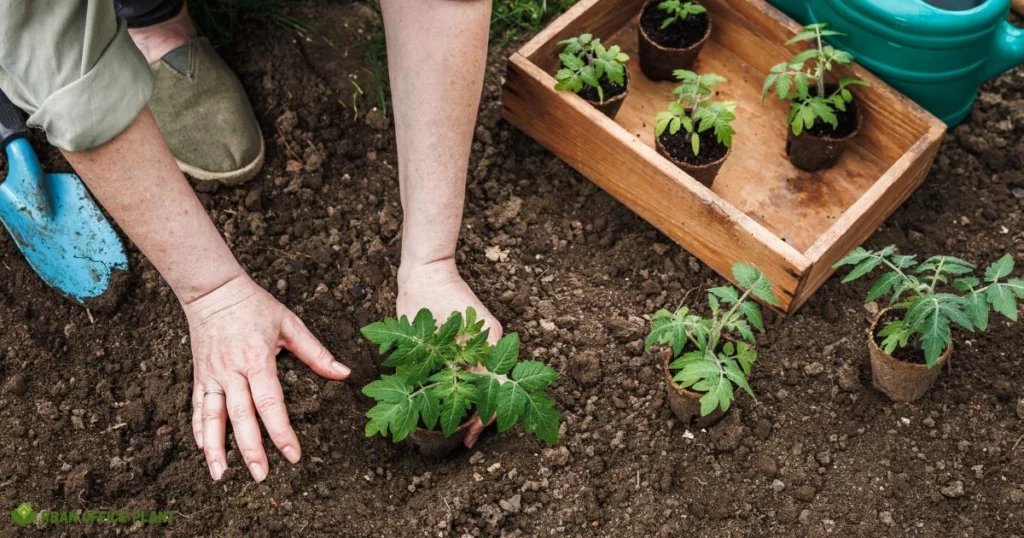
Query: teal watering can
column 937, row 52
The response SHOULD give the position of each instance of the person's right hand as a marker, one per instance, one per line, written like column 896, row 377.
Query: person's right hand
column 237, row 331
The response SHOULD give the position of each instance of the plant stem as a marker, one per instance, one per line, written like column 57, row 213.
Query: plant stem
column 821, row 67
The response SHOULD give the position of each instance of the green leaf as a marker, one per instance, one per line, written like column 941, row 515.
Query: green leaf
column 882, row 286
column 753, row 314
column 541, row 418
column 400, row 418
column 504, row 354
column 389, row 388
column 455, row 407
column 511, row 402
column 534, row 375
column 489, row 389
column 977, row 307
column 428, row 406
column 1000, row 269
column 727, row 294
column 1002, row 298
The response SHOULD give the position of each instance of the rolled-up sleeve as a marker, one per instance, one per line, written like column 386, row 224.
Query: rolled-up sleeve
column 73, row 68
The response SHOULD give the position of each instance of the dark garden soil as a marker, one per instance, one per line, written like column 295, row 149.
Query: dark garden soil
column 680, row 147
column 680, row 34
column 95, row 413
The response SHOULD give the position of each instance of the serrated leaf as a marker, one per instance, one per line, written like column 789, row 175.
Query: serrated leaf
column 504, row 354
column 541, row 418
column 428, row 406
column 489, row 389
column 752, row 312
column 976, row 306
column 511, row 401
column 389, row 388
column 1000, row 269
column 882, row 286
column 727, row 294
column 534, row 375
column 1003, row 300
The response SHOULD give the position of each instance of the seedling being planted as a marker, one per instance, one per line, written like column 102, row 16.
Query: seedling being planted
column 822, row 116
column 671, row 35
column 594, row 72
column 696, row 131
column 708, row 359
column 925, row 300
column 442, row 373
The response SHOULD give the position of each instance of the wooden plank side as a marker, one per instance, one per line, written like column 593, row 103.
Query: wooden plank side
column 864, row 217
column 599, row 17
column 646, row 183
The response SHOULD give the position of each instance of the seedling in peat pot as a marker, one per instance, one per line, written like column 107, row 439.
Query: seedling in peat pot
column 822, row 116
column 671, row 34
column 710, row 358
column 692, row 116
column 433, row 384
column 596, row 73
column 926, row 298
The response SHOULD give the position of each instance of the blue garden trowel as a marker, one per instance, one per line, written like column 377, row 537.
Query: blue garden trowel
column 54, row 221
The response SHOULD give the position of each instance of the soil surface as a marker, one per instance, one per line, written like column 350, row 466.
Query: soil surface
column 95, row 412
column 678, row 35
column 680, row 146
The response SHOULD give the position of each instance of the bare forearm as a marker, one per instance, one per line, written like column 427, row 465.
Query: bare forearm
column 437, row 53
column 137, row 180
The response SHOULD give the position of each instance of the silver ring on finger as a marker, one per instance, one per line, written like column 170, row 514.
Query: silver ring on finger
column 207, row 393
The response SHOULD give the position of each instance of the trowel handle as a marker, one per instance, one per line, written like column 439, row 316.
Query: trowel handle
column 12, row 124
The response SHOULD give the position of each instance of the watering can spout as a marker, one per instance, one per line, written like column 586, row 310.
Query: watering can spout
column 1007, row 51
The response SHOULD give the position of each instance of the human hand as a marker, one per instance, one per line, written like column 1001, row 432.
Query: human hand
column 438, row 287
column 237, row 331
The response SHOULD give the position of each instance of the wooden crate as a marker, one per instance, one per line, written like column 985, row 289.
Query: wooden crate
column 793, row 225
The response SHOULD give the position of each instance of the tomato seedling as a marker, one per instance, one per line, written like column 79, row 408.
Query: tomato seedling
column 695, row 111
column 932, row 295
column 432, row 385
column 585, row 61
column 792, row 81
column 714, row 355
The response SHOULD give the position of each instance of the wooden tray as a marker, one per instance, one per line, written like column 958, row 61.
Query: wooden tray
column 792, row 224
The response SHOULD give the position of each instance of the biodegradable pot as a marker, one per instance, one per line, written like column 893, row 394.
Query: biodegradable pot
column 811, row 153
column 901, row 381
column 433, row 444
column 659, row 62
column 685, row 403
column 610, row 107
column 704, row 173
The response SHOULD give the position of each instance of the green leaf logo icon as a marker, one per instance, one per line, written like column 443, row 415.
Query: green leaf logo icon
column 23, row 515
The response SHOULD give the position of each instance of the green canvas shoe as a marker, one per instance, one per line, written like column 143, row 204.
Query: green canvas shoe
column 205, row 116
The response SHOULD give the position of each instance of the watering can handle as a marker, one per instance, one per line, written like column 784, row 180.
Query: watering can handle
column 1007, row 53
column 12, row 124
